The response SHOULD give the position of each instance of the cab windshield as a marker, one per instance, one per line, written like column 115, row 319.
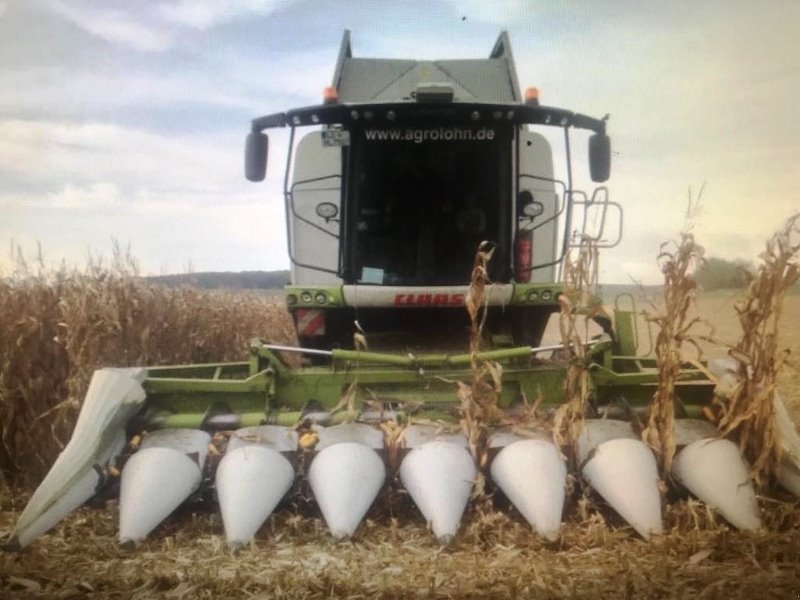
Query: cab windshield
column 424, row 200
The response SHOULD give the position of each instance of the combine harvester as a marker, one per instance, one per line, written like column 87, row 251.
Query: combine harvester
column 404, row 169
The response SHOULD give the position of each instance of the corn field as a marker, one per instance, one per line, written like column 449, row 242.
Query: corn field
column 58, row 326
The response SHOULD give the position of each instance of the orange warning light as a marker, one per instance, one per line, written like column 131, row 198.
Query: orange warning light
column 532, row 95
column 330, row 95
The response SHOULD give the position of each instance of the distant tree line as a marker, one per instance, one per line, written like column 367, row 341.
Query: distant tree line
column 244, row 280
column 719, row 274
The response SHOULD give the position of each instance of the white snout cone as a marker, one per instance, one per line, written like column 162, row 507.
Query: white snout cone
column 345, row 478
column 533, row 475
column 158, row 478
column 714, row 471
column 250, row 481
column 439, row 475
column 71, row 498
column 624, row 473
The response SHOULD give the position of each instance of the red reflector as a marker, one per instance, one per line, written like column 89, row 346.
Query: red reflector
column 309, row 322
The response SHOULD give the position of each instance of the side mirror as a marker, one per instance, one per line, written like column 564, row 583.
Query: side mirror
column 599, row 157
column 255, row 156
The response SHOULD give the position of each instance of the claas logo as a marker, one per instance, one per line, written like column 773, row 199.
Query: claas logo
column 429, row 300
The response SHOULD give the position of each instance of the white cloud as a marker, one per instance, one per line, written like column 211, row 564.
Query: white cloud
column 299, row 73
column 71, row 198
column 58, row 151
column 152, row 28
column 204, row 14
column 249, row 83
column 174, row 199
column 118, row 26
column 98, row 195
column 78, row 91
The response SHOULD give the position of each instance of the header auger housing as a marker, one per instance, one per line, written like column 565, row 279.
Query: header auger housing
column 408, row 167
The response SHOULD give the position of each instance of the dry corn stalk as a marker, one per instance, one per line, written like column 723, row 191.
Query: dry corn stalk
column 479, row 399
column 580, row 279
column 674, row 329
column 747, row 413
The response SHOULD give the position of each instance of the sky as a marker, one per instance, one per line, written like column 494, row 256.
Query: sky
column 126, row 120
